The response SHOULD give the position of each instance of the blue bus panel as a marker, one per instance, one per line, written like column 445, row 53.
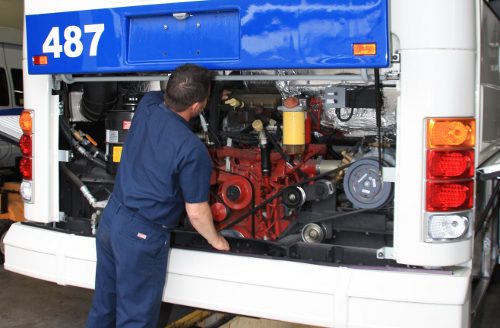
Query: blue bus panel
column 219, row 34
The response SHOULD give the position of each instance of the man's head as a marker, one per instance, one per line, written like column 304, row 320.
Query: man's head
column 188, row 88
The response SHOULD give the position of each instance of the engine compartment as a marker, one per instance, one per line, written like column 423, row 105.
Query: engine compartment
column 297, row 164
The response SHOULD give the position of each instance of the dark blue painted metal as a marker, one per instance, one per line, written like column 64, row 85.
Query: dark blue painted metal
column 11, row 111
column 245, row 34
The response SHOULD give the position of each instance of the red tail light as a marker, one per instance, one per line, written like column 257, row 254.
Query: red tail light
column 25, row 145
column 450, row 164
column 450, row 196
column 25, row 168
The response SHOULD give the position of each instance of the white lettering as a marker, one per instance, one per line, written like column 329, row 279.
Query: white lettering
column 73, row 46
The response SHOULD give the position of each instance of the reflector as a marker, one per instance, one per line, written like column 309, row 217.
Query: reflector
column 25, row 145
column 25, row 168
column 447, row 226
column 450, row 164
column 26, row 190
column 449, row 196
column 40, row 60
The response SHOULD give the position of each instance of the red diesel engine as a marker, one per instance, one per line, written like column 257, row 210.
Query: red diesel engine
column 248, row 182
column 245, row 196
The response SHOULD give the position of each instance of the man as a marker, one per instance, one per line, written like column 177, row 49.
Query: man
column 164, row 169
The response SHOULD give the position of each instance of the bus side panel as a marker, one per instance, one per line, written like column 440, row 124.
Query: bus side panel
column 437, row 80
column 44, row 205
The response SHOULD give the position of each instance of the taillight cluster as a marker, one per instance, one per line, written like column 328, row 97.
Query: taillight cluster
column 26, row 147
column 449, row 176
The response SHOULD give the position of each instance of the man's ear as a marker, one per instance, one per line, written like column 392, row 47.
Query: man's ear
column 199, row 105
column 197, row 108
column 191, row 109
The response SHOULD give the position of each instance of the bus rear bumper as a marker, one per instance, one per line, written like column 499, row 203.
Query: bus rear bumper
column 321, row 295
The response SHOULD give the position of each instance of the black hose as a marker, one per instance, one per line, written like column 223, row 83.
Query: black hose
column 278, row 148
column 287, row 158
column 71, row 176
column 94, row 151
column 265, row 160
column 378, row 111
column 341, row 119
column 66, row 132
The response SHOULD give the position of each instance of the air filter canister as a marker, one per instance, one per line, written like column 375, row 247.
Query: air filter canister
column 117, row 124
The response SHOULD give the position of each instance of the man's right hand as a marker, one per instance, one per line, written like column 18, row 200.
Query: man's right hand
column 220, row 243
column 201, row 219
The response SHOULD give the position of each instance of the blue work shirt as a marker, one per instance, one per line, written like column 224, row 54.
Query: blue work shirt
column 163, row 164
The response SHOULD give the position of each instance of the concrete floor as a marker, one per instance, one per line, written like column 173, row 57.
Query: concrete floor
column 27, row 302
column 31, row 303
column 487, row 316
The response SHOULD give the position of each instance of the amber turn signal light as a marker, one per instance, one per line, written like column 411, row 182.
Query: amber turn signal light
column 451, row 132
column 26, row 121
column 364, row 49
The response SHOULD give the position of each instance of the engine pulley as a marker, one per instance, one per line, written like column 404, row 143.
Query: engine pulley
column 313, row 233
column 220, row 212
column 294, row 197
column 236, row 192
column 364, row 186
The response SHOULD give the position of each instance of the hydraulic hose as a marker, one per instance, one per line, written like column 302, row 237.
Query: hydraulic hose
column 66, row 132
column 79, row 184
column 94, row 151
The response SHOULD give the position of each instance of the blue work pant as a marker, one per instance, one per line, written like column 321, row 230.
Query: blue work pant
column 131, row 269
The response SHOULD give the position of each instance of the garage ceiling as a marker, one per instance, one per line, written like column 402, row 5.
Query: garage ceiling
column 11, row 13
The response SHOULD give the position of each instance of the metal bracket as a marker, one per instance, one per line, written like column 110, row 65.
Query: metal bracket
column 70, row 79
column 64, row 156
column 396, row 57
column 56, row 82
column 389, row 174
column 385, row 253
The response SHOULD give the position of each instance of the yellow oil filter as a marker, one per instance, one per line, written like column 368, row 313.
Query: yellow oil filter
column 294, row 135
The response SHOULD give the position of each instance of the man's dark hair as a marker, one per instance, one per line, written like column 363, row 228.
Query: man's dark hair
column 187, row 85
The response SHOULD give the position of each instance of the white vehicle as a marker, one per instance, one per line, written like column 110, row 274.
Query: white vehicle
column 355, row 157
column 11, row 94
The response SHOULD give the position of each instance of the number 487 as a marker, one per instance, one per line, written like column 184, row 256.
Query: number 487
column 73, row 46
